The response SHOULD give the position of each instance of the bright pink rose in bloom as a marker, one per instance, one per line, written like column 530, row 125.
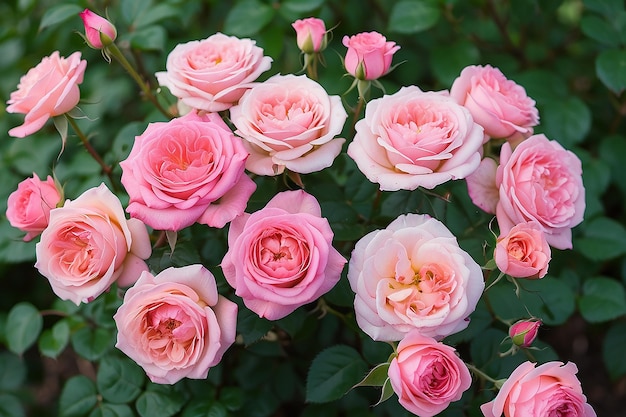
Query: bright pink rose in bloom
column 88, row 245
column 310, row 34
column 289, row 122
column 187, row 170
column 28, row 207
column 413, row 275
column 98, row 30
column 281, row 257
column 498, row 104
column 551, row 389
column 523, row 252
column 481, row 186
column 427, row 375
column 213, row 73
column 523, row 333
column 175, row 325
column 369, row 55
column 414, row 139
column 47, row 90
column 541, row 181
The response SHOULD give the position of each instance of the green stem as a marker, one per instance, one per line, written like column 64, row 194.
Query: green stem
column 497, row 382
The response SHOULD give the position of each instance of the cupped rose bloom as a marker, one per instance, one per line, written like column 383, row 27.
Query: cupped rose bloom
column 414, row 139
column 427, row 375
column 481, row 186
column 281, row 257
column 524, row 332
column 89, row 244
column 310, row 34
column 540, row 181
column 47, row 90
column 289, row 122
column 369, row 55
column 213, row 73
column 413, row 275
column 523, row 252
column 28, row 207
column 551, row 389
column 187, row 170
column 99, row 32
column 498, row 104
column 175, row 325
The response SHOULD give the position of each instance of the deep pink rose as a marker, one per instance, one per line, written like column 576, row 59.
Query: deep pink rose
column 413, row 275
column 541, row 181
column 481, row 186
column 289, row 122
column 310, row 34
column 97, row 29
column 175, row 325
column 427, row 375
column 213, row 73
column 281, row 257
column 47, row 90
column 28, row 207
column 551, row 389
column 88, row 245
column 187, row 170
column 369, row 55
column 498, row 104
column 523, row 252
column 414, row 139
column 524, row 332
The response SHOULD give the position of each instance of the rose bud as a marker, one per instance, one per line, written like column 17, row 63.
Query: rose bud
column 99, row 32
column 310, row 34
column 524, row 332
column 369, row 55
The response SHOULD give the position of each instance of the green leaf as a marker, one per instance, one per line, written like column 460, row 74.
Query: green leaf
column 92, row 344
column 155, row 14
column 413, row 16
column 112, row 410
column 600, row 30
column 133, row 9
column 12, row 371
column 59, row 14
column 613, row 348
column 603, row 299
column 611, row 69
column 376, row 377
column 78, row 397
column 251, row 326
column 204, row 408
column 333, row 372
column 53, row 341
column 159, row 401
column 607, row 8
column 448, row 61
column 232, row 398
column 248, row 18
column 386, row 392
column 119, row 380
column 297, row 9
column 24, row 324
column 149, row 38
column 566, row 120
column 10, row 406
column 603, row 239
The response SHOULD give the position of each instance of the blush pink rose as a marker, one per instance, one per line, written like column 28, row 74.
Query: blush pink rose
column 175, row 325
column 413, row 275
column 369, row 55
column 28, row 207
column 47, row 90
column 540, row 181
column 187, row 170
column 523, row 252
column 481, row 186
column 414, row 139
column 97, row 29
column 551, row 389
column 498, row 104
column 281, row 257
column 213, row 73
column 427, row 375
column 89, row 245
column 310, row 34
column 289, row 122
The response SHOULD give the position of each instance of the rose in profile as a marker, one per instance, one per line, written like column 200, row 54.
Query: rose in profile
column 99, row 32
column 310, row 34
column 523, row 252
column 175, row 325
column 369, row 55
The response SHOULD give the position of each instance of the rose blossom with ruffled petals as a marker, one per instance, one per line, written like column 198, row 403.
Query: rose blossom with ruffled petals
column 369, row 55
column 89, row 244
column 289, row 122
column 523, row 252
column 281, row 257
column 310, row 34
column 175, row 325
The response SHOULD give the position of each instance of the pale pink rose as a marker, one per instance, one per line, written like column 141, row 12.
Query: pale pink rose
column 524, row 332
column 310, row 34
column 97, row 29
column 281, row 257
column 523, row 252
column 369, row 55
column 175, row 325
column 28, row 207
column 47, row 90
column 427, row 375
column 498, row 104
column 213, row 73
column 413, row 275
column 551, row 389
column 414, row 139
column 289, row 122
column 187, row 170
column 481, row 186
column 541, row 181
column 89, row 245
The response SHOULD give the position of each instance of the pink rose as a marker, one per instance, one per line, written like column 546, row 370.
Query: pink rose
column 47, row 90
column 481, row 186
column 213, row 73
column 427, row 375
column 541, row 181
column 413, row 275
column 190, row 169
column 523, row 252
column 88, row 245
column 289, row 122
column 175, row 325
column 310, row 34
column 98, row 30
column 414, row 139
column 281, row 257
column 28, row 207
column 551, row 389
column 499, row 105
column 369, row 55
column 524, row 332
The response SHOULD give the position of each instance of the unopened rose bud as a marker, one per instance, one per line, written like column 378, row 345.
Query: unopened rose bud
column 369, row 55
column 524, row 332
column 310, row 35
column 99, row 32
